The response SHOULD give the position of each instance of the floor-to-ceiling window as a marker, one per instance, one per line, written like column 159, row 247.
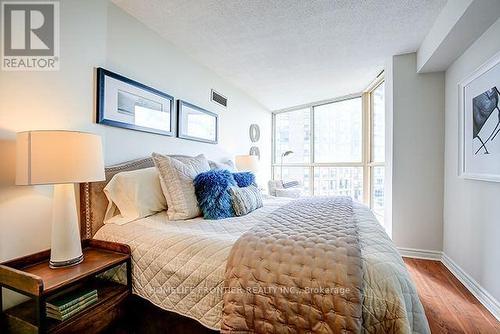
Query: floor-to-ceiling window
column 338, row 147
column 376, row 134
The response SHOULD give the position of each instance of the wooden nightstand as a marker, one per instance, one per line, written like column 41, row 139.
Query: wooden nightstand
column 31, row 276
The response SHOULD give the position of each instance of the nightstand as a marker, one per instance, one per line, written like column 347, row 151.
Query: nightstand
column 32, row 277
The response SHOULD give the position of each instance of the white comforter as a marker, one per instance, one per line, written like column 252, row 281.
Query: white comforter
column 180, row 265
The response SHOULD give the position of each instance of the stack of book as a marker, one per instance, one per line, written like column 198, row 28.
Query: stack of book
column 67, row 305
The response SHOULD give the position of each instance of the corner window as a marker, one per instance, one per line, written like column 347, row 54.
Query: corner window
column 338, row 148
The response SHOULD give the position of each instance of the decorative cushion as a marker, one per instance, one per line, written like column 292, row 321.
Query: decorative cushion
column 290, row 184
column 244, row 179
column 229, row 165
column 134, row 194
column 176, row 179
column 212, row 192
column 245, row 200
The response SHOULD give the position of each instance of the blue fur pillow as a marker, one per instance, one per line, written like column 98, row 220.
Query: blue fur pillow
column 244, row 179
column 212, row 191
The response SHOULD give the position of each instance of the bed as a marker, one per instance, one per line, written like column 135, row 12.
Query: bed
column 182, row 266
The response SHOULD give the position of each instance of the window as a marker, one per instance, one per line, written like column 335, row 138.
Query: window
column 340, row 181
column 377, row 198
column 378, row 123
column 377, row 150
column 338, row 131
column 334, row 153
column 292, row 132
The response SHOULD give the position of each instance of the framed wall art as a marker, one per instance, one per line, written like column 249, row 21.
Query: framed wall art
column 195, row 123
column 479, row 133
column 125, row 103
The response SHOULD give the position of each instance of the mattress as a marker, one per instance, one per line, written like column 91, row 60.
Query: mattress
column 180, row 266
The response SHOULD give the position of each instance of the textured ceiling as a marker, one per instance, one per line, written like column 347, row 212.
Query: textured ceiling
column 291, row 52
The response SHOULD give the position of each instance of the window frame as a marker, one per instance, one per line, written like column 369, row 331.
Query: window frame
column 366, row 163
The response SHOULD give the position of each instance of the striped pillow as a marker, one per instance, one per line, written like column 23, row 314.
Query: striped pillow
column 245, row 200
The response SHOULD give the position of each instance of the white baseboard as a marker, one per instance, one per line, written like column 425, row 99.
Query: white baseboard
column 420, row 253
column 473, row 286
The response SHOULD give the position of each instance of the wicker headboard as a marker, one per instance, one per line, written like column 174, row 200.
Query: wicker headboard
column 93, row 202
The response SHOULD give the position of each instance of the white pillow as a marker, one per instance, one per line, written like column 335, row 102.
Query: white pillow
column 228, row 165
column 176, row 179
column 136, row 194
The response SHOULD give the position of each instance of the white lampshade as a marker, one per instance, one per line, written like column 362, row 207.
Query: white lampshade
column 247, row 163
column 55, row 157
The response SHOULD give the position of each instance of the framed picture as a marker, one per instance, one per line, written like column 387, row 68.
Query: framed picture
column 479, row 135
column 128, row 104
column 196, row 123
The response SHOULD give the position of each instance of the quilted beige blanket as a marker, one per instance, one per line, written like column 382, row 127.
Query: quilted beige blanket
column 299, row 270
column 180, row 267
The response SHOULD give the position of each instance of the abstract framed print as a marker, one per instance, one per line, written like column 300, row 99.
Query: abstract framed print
column 128, row 104
column 479, row 134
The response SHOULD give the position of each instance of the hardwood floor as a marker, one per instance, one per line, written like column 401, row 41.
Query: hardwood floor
column 449, row 306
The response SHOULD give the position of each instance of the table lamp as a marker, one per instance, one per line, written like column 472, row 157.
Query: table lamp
column 247, row 163
column 61, row 158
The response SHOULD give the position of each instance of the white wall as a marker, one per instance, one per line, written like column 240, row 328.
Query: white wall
column 417, row 154
column 137, row 52
column 95, row 33
column 471, row 208
column 457, row 26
